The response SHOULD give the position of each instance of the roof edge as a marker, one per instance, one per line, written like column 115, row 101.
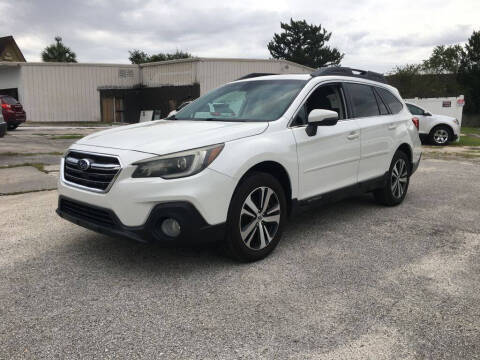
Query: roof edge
column 12, row 63
column 166, row 62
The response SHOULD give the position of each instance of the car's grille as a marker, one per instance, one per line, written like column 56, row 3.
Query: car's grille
column 90, row 170
column 86, row 212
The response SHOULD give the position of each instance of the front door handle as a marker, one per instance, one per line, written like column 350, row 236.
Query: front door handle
column 392, row 126
column 353, row 135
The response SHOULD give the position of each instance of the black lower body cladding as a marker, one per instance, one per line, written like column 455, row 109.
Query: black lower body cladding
column 193, row 227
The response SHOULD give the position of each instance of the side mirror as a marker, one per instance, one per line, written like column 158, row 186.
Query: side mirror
column 320, row 117
column 426, row 113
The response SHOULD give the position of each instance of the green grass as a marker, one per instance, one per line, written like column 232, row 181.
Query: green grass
column 61, row 137
column 67, row 136
column 26, row 192
column 9, row 153
column 72, row 123
column 467, row 141
column 38, row 166
column 470, row 130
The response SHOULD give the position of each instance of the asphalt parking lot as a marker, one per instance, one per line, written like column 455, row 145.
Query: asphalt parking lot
column 350, row 280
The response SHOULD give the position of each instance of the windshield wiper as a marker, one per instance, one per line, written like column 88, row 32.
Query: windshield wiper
column 219, row 119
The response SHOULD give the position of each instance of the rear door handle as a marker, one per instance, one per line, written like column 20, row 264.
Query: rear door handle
column 353, row 135
column 392, row 126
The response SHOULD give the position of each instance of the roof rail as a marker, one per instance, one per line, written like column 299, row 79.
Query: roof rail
column 254, row 75
column 346, row 71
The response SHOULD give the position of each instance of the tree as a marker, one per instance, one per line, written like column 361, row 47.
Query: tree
column 141, row 57
column 406, row 70
column 138, row 56
column 412, row 81
column 405, row 78
column 444, row 60
column 469, row 73
column 304, row 44
column 58, row 52
column 472, row 49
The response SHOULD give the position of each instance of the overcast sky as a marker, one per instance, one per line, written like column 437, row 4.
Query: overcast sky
column 373, row 34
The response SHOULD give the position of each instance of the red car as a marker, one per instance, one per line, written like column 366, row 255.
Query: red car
column 12, row 111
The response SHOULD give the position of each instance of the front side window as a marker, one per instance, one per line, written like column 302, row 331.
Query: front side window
column 390, row 100
column 362, row 100
column 326, row 97
column 415, row 110
column 256, row 100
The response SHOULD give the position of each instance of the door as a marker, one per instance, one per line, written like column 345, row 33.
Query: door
column 377, row 128
column 107, row 109
column 113, row 109
column 328, row 160
column 119, row 110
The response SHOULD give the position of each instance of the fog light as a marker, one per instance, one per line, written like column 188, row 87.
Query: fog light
column 171, row 227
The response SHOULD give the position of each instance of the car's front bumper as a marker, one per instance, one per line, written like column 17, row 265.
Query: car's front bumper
column 193, row 227
column 132, row 199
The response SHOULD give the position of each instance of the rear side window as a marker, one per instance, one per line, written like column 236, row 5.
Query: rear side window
column 362, row 100
column 9, row 100
column 415, row 110
column 381, row 105
column 390, row 100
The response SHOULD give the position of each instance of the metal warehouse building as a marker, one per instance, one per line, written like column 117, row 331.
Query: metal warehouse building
column 58, row 92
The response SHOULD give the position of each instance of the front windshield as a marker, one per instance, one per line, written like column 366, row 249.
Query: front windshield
column 258, row 100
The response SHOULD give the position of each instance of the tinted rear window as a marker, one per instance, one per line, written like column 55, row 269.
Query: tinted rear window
column 414, row 110
column 390, row 100
column 381, row 105
column 9, row 100
column 363, row 100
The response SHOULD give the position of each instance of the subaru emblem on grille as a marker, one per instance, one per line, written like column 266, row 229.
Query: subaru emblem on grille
column 83, row 164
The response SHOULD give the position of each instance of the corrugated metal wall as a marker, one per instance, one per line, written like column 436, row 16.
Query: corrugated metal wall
column 212, row 73
column 169, row 73
column 69, row 92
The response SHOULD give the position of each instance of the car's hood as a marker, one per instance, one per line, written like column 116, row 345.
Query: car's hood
column 168, row 136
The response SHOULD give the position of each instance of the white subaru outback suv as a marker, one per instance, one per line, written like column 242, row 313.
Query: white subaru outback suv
column 236, row 173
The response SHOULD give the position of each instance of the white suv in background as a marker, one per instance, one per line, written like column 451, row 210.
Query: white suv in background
column 279, row 143
column 436, row 129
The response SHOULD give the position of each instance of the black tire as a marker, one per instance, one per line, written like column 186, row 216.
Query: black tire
column 11, row 127
column 239, row 216
column 390, row 194
column 440, row 135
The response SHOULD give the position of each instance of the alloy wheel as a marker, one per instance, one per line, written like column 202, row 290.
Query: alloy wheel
column 399, row 178
column 259, row 218
column 440, row 136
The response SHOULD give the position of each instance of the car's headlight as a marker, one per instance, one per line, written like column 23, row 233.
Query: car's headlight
column 177, row 165
column 456, row 121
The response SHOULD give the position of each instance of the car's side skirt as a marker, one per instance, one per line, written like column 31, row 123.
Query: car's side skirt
column 342, row 193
